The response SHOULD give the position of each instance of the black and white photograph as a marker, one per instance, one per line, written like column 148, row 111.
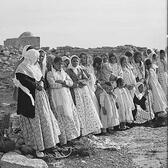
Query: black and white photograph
column 83, row 83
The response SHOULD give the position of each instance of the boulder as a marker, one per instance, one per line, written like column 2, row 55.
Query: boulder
column 12, row 159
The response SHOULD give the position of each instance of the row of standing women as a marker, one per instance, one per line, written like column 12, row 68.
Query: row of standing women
column 80, row 99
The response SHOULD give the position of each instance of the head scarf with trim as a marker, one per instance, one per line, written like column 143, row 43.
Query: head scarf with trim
column 65, row 58
column 29, row 66
column 75, row 69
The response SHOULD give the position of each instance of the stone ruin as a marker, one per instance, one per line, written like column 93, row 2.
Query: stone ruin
column 26, row 38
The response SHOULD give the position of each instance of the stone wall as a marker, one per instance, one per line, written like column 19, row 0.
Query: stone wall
column 12, row 42
column 21, row 42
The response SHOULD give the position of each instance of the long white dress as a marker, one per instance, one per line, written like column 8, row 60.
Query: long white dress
column 89, row 119
column 108, row 103
column 159, row 97
column 63, row 105
column 125, row 104
column 139, row 70
column 129, row 79
column 162, row 77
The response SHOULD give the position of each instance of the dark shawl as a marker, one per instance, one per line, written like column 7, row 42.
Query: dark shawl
column 24, row 104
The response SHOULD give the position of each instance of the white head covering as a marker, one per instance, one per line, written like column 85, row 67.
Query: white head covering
column 149, row 56
column 28, row 66
column 65, row 58
column 75, row 69
column 25, row 50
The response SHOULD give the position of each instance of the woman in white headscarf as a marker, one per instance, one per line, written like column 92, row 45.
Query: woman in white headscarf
column 66, row 62
column 88, row 115
column 128, row 76
column 25, row 49
column 159, row 97
column 39, row 126
column 63, row 105
column 153, row 57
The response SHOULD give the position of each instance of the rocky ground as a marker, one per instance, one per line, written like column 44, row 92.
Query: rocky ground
column 144, row 147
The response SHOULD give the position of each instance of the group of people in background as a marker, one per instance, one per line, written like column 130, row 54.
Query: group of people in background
column 61, row 99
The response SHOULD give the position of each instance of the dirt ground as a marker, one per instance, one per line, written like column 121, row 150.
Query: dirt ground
column 144, row 147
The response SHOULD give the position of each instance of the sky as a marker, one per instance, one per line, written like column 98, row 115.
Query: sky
column 87, row 23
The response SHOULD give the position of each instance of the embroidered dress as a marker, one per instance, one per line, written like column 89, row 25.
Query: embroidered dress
column 63, row 105
column 91, row 85
column 159, row 97
column 125, row 104
column 42, row 131
column 38, row 124
column 89, row 119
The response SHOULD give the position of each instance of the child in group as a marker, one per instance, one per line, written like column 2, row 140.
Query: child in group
column 124, row 103
column 143, row 101
column 108, row 111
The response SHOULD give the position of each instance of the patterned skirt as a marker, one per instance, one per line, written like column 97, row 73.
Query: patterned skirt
column 88, row 116
column 42, row 131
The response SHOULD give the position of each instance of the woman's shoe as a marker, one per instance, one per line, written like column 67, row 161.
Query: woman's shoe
column 39, row 154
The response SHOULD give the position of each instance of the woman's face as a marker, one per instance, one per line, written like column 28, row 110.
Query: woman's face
column 148, row 66
column 140, row 88
column 105, row 58
column 41, row 57
column 162, row 55
column 137, row 59
column 75, row 62
column 121, row 84
column 83, row 59
column 57, row 66
column 149, row 51
column 113, row 60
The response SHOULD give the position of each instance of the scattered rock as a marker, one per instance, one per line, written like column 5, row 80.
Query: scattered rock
column 14, row 160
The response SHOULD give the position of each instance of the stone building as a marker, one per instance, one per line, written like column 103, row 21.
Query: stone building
column 24, row 39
